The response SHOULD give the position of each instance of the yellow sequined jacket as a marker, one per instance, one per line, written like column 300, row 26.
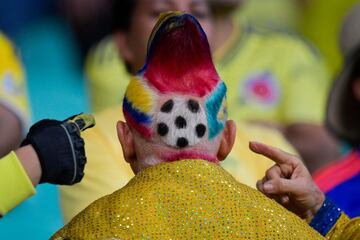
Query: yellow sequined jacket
column 345, row 229
column 189, row 199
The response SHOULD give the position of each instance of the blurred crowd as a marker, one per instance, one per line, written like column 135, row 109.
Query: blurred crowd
column 291, row 67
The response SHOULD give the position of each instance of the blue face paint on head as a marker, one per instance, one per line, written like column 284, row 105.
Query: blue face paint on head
column 137, row 115
column 213, row 105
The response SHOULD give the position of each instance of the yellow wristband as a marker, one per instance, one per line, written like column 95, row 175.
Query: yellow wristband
column 15, row 185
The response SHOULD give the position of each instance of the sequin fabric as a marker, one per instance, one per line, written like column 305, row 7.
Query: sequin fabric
column 326, row 217
column 345, row 229
column 188, row 199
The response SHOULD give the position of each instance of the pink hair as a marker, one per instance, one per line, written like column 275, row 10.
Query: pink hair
column 181, row 62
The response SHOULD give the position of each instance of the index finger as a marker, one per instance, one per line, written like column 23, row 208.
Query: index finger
column 275, row 154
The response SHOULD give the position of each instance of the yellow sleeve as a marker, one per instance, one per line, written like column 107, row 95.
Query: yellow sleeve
column 105, row 170
column 15, row 186
column 13, row 94
column 107, row 75
column 306, row 86
column 345, row 229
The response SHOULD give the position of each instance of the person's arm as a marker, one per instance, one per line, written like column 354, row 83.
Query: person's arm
column 307, row 139
column 30, row 162
column 10, row 129
column 304, row 102
column 291, row 185
column 52, row 152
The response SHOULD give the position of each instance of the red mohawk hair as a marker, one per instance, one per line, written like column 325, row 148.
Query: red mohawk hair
column 179, row 58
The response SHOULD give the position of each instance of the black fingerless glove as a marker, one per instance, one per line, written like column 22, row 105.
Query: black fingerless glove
column 60, row 148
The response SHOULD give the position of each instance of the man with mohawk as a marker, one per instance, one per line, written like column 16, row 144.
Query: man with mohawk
column 106, row 171
column 175, row 134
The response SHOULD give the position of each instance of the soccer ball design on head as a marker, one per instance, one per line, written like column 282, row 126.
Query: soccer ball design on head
column 177, row 97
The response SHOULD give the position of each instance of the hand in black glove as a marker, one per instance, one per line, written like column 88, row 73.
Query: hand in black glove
column 60, row 148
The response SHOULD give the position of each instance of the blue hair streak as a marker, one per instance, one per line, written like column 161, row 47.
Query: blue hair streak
column 138, row 116
column 213, row 105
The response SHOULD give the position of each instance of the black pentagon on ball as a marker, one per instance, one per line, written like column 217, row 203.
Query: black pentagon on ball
column 180, row 122
column 193, row 106
column 167, row 106
column 182, row 142
column 200, row 130
column 162, row 129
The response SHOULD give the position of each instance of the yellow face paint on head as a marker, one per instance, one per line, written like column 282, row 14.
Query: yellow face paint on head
column 141, row 97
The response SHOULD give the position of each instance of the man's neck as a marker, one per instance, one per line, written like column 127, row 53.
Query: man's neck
column 185, row 155
column 172, row 157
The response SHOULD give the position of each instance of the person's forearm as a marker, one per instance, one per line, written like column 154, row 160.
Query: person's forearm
column 10, row 129
column 314, row 144
column 30, row 162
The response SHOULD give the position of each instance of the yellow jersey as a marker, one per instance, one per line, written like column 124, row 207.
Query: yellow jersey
column 272, row 76
column 279, row 14
column 13, row 94
column 107, row 75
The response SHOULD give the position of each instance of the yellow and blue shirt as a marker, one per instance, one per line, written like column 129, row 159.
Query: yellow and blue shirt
column 279, row 14
column 318, row 20
column 107, row 75
column 272, row 76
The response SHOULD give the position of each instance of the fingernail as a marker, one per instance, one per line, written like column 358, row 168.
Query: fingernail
column 253, row 145
column 268, row 187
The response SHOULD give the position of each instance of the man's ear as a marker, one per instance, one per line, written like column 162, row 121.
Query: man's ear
column 126, row 140
column 123, row 47
column 227, row 140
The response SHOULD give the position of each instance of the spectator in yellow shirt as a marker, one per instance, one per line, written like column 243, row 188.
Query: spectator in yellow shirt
column 275, row 79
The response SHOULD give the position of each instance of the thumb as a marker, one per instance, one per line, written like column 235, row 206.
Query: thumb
column 82, row 121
